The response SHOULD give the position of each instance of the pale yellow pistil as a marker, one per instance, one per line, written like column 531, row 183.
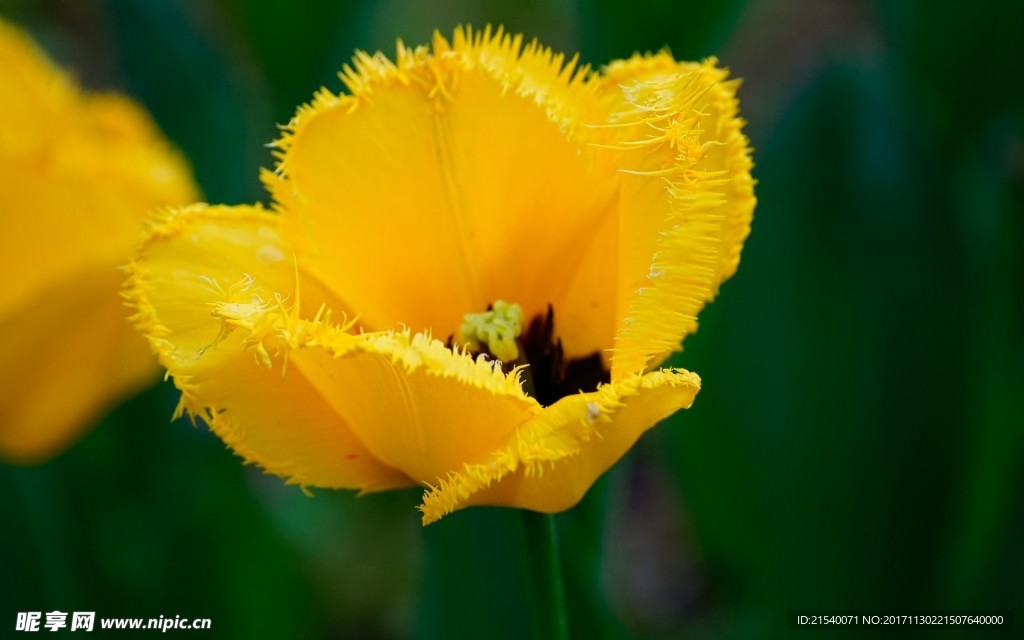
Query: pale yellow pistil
column 495, row 330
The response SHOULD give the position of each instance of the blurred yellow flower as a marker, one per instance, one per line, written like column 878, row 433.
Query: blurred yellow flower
column 78, row 173
column 480, row 191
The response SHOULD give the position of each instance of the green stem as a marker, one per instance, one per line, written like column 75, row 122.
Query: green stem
column 547, row 588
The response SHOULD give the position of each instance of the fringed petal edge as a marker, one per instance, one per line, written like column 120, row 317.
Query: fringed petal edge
column 558, row 433
column 710, row 211
column 559, row 86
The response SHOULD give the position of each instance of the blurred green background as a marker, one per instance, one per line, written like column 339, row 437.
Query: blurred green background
column 860, row 436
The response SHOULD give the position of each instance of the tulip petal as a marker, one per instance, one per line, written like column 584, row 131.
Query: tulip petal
column 67, row 357
column 416, row 404
column 461, row 161
column 686, row 197
column 78, row 173
column 199, row 266
column 549, row 462
column 34, row 92
column 77, row 210
column 612, row 204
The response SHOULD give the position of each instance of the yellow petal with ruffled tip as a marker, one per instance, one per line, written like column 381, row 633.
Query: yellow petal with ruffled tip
column 550, row 461
column 416, row 404
column 477, row 172
column 459, row 161
column 685, row 199
column 685, row 196
column 78, row 172
column 201, row 282
column 322, row 406
column 306, row 399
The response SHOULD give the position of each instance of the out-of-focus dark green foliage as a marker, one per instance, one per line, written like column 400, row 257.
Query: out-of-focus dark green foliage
column 859, row 440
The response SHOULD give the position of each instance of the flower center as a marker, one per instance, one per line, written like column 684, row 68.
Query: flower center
column 494, row 331
column 548, row 376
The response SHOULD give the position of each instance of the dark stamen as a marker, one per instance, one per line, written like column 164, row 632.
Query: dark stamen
column 549, row 374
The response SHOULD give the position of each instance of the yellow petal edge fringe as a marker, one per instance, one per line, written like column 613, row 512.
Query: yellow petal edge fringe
column 78, row 172
column 477, row 172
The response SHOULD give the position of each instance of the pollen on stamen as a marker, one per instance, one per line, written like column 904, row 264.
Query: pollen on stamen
column 496, row 329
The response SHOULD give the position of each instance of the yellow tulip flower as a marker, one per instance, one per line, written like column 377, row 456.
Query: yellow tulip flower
column 475, row 201
column 78, row 173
